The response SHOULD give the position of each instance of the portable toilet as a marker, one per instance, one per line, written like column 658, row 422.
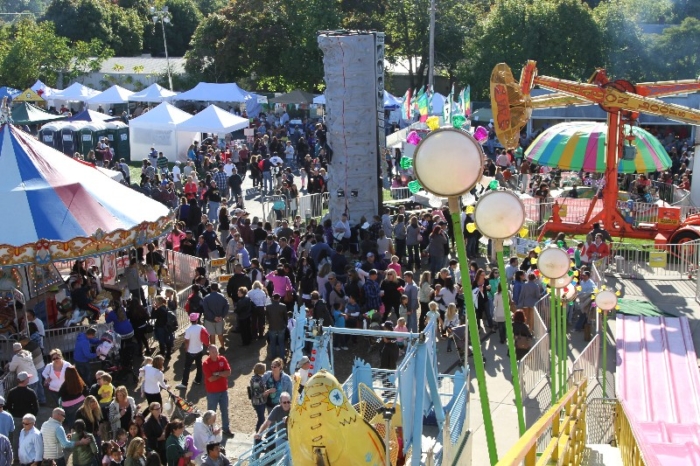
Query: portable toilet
column 90, row 135
column 118, row 135
column 50, row 134
column 70, row 138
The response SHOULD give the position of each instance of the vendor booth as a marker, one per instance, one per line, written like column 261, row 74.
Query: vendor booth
column 31, row 96
column 27, row 114
column 226, row 92
column 213, row 120
column 153, row 93
column 157, row 128
column 114, row 95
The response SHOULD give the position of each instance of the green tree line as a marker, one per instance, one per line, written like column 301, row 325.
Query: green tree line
column 272, row 44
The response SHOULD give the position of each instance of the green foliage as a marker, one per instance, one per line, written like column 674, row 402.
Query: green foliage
column 119, row 28
column 37, row 7
column 184, row 19
column 648, row 11
column 31, row 51
column 208, row 7
column 677, row 51
column 686, row 8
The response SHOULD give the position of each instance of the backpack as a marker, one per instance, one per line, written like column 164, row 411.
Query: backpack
column 171, row 322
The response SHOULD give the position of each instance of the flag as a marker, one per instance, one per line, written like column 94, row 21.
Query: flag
column 431, row 94
column 422, row 102
column 465, row 101
column 406, row 110
column 416, row 93
column 447, row 108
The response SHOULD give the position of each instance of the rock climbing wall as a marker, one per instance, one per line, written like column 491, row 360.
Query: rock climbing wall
column 354, row 75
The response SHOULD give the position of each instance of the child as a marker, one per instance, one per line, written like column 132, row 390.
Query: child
column 434, row 314
column 451, row 321
column 107, row 453
column 403, row 307
column 577, row 255
column 116, row 456
column 121, row 440
column 256, row 393
column 152, row 279
column 401, row 327
column 395, row 265
column 106, row 391
column 339, row 321
column 171, row 299
column 303, row 372
column 303, row 175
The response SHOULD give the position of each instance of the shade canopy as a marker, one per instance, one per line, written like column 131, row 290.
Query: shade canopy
column 391, row 101
column 320, row 99
column 62, row 209
column 113, row 95
column 43, row 90
column 91, row 115
column 213, row 92
column 76, row 92
column 27, row 114
column 29, row 95
column 581, row 146
column 213, row 120
column 158, row 128
column 153, row 93
column 294, row 97
column 9, row 92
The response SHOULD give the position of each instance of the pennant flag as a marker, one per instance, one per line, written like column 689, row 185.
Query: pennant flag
column 422, row 102
column 406, row 112
column 447, row 108
column 465, row 101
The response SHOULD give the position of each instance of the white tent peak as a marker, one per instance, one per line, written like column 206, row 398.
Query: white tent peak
column 214, row 92
column 114, row 95
column 214, row 119
column 153, row 93
column 75, row 92
column 164, row 113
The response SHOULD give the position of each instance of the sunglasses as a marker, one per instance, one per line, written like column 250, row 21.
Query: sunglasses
column 56, row 359
column 285, row 402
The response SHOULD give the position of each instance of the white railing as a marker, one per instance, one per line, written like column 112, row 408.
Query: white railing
column 400, row 193
column 672, row 261
column 534, row 366
column 183, row 319
column 588, row 362
column 181, row 267
column 312, row 205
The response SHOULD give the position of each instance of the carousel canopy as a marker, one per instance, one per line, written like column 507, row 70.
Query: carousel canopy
column 61, row 209
column 581, row 146
column 28, row 114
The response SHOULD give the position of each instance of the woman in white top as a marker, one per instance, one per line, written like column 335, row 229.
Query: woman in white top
column 55, row 373
column 384, row 244
column 205, row 432
column 154, row 380
column 451, row 321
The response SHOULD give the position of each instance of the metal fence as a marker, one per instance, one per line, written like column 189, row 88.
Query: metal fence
column 400, row 193
column 588, row 362
column 313, row 205
column 534, row 366
column 181, row 267
column 672, row 261
column 271, row 450
column 183, row 320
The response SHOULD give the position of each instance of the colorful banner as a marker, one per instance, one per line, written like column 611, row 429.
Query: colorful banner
column 406, row 112
column 447, row 108
column 465, row 101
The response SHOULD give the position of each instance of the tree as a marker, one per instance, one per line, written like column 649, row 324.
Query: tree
column 686, row 8
column 561, row 35
column 208, row 7
column 184, row 19
column 119, row 28
column 37, row 7
column 677, row 51
column 29, row 51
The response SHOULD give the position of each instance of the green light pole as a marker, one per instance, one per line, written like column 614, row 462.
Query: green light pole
column 500, row 215
column 464, row 157
column 553, row 263
column 606, row 301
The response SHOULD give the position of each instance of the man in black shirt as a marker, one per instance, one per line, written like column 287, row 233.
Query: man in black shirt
column 188, row 245
column 211, row 238
column 22, row 400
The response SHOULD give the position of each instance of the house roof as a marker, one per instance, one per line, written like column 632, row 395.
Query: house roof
column 144, row 65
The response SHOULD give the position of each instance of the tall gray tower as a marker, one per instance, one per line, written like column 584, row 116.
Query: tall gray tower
column 353, row 63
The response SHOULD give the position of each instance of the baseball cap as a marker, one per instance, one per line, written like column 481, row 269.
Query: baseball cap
column 194, row 317
column 16, row 347
column 388, row 325
column 22, row 376
column 304, row 360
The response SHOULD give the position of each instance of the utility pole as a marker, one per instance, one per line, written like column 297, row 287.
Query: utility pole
column 431, row 53
column 164, row 17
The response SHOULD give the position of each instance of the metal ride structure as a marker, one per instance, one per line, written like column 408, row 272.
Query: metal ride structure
column 623, row 101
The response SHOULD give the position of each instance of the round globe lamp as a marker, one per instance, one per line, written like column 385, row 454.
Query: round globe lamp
column 606, row 300
column 553, row 262
column 448, row 162
column 499, row 215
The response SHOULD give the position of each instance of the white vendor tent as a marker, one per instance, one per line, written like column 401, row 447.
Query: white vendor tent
column 157, row 128
column 390, row 101
column 46, row 92
column 320, row 100
column 153, row 93
column 213, row 120
column 213, row 92
column 114, row 95
column 76, row 92
column 438, row 103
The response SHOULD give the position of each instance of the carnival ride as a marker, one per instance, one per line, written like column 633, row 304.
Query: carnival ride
column 512, row 106
column 411, row 415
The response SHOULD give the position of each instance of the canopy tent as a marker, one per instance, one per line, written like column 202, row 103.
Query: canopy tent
column 153, row 93
column 29, row 95
column 46, row 92
column 157, row 128
column 213, row 92
column 438, row 103
column 76, row 92
column 62, row 209
column 28, row 114
column 295, row 97
column 213, row 120
column 114, row 95
column 320, row 99
column 390, row 101
column 91, row 115
column 9, row 92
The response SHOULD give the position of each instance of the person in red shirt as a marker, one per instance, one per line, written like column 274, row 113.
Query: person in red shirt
column 216, row 373
column 599, row 249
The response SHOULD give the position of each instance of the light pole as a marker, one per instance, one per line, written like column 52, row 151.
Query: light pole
column 606, row 301
column 553, row 263
column 163, row 16
column 463, row 155
column 431, row 46
column 500, row 215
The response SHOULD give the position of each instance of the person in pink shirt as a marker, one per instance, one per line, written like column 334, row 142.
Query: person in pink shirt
column 395, row 265
column 401, row 327
column 176, row 236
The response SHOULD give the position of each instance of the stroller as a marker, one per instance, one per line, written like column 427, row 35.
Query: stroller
column 460, row 337
column 117, row 358
column 183, row 409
